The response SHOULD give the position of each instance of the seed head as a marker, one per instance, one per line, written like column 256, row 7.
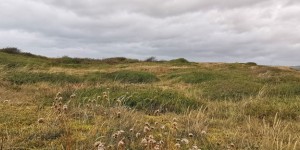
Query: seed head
column 110, row 146
column 41, row 120
column 161, row 142
column 146, row 129
column 88, row 105
column 174, row 125
column 147, row 124
column 58, row 94
column 156, row 147
column 151, row 137
column 151, row 141
column 73, row 95
column 195, row 147
column 99, row 145
column 105, row 95
column 144, row 142
column 175, row 120
column 65, row 107
column 115, row 135
column 231, row 144
column 120, row 132
column 156, row 112
column 119, row 102
column 177, row 145
column 137, row 135
column 119, row 114
column 60, row 98
column 121, row 144
column 185, row 141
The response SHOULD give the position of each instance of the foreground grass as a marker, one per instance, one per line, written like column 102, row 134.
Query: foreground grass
column 176, row 105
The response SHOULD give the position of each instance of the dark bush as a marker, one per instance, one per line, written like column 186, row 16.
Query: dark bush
column 179, row 60
column 251, row 64
column 151, row 59
column 11, row 50
column 118, row 60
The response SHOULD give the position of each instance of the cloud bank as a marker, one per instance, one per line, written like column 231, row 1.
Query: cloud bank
column 263, row 31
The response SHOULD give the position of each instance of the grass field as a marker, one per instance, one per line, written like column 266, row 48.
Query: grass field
column 120, row 103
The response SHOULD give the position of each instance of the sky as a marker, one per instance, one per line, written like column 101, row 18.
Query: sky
column 263, row 31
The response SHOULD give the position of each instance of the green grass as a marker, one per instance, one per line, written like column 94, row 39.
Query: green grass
column 15, row 61
column 31, row 78
column 283, row 90
column 127, row 76
column 147, row 99
column 123, row 76
column 230, row 89
column 196, row 77
column 287, row 108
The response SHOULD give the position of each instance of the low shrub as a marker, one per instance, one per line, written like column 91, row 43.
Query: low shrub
column 179, row 61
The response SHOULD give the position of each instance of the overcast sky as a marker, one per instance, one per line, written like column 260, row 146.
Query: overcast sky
column 262, row 31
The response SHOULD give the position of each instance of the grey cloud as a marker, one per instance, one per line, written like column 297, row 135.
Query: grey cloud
column 217, row 30
column 155, row 8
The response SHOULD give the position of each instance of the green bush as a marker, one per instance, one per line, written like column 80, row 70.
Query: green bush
column 179, row 61
column 118, row 60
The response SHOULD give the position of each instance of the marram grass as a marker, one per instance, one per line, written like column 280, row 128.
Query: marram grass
column 147, row 105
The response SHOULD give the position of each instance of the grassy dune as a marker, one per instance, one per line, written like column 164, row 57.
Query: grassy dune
column 120, row 103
